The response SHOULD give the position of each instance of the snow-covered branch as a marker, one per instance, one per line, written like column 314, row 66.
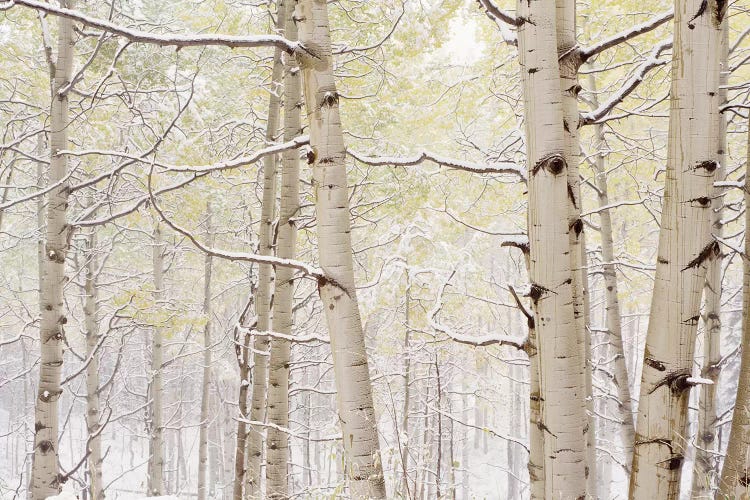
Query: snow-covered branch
column 303, row 267
column 224, row 165
column 179, row 41
column 496, row 14
column 409, row 161
column 629, row 86
column 473, row 340
column 624, row 36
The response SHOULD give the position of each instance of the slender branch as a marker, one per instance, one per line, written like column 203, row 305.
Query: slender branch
column 629, row 86
column 637, row 30
column 179, row 41
column 303, row 267
column 416, row 159
column 496, row 14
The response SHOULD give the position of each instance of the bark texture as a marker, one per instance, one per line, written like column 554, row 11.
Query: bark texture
column 570, row 62
column 562, row 399
column 45, row 479
column 278, row 454
column 735, row 475
column 93, row 408
column 155, row 485
column 338, row 291
column 206, row 382
column 621, row 379
column 265, row 277
column 685, row 250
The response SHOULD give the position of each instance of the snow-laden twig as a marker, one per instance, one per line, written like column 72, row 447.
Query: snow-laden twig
column 224, row 165
column 628, row 34
column 610, row 206
column 303, row 267
column 629, row 86
column 138, row 36
column 417, row 158
column 473, row 340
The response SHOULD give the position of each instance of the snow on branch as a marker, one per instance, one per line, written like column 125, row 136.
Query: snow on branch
column 461, row 338
column 408, row 161
column 616, row 204
column 179, row 41
column 629, row 86
column 303, row 267
column 224, row 165
column 624, row 36
column 496, row 14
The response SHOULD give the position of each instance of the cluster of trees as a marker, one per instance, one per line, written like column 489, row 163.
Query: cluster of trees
column 431, row 249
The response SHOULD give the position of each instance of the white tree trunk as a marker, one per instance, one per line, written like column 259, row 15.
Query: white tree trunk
column 621, row 379
column 45, row 479
column 156, row 439
column 564, row 420
column 338, row 291
column 706, row 466
column 206, row 382
column 278, row 389
column 735, row 475
column 569, row 63
column 685, row 249
column 93, row 410
column 265, row 276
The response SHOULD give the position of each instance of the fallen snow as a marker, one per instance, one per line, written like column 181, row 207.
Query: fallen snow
column 168, row 497
column 66, row 494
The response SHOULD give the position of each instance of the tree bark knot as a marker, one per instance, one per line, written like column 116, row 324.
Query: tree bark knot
column 537, row 291
column 554, row 163
column 710, row 251
column 324, row 281
column 677, row 381
column 709, row 166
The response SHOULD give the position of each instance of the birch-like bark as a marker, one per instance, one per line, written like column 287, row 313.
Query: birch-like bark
column 45, row 479
column 621, row 379
column 278, row 388
column 93, row 409
column 563, row 418
column 735, row 474
column 243, row 359
column 155, row 485
column 706, row 466
column 338, row 291
column 405, row 432
column 685, row 249
column 570, row 62
column 206, row 382
column 265, row 275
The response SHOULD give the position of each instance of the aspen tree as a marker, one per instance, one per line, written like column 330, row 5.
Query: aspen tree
column 283, row 312
column 685, row 249
column 155, row 485
column 570, row 62
column 563, row 418
column 265, row 280
column 705, row 468
column 338, row 290
column 45, row 479
column 735, row 474
column 621, row 379
column 93, row 408
column 203, row 445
